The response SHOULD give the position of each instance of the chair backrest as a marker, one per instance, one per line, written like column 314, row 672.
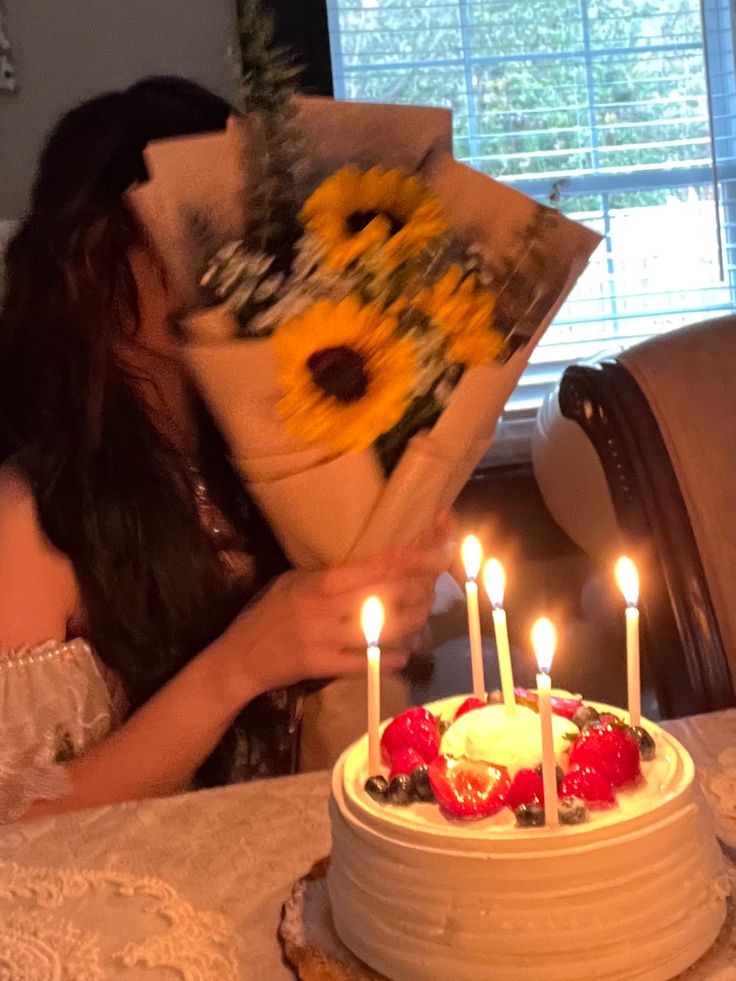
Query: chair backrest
column 662, row 418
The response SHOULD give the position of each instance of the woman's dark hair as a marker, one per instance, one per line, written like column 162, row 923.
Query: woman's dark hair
column 111, row 493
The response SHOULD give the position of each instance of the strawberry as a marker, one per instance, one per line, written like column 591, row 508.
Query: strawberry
column 611, row 751
column 526, row 788
column 565, row 707
column 469, row 705
column 468, row 789
column 405, row 761
column 590, row 785
column 414, row 729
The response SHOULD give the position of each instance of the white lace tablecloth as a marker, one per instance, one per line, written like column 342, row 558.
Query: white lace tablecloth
column 192, row 887
column 187, row 887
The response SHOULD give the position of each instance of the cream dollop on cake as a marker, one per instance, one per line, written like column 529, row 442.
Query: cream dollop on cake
column 637, row 892
column 508, row 738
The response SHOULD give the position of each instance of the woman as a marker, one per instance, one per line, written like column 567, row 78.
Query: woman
column 130, row 556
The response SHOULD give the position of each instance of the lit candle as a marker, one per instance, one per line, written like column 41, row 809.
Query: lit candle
column 371, row 619
column 544, row 641
column 472, row 557
column 494, row 579
column 628, row 582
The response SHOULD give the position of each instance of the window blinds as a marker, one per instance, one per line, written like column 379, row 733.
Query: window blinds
column 622, row 113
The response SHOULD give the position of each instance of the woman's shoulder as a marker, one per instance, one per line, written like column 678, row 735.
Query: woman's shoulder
column 18, row 513
column 14, row 485
column 38, row 590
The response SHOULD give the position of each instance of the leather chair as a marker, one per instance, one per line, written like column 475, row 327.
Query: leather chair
column 660, row 484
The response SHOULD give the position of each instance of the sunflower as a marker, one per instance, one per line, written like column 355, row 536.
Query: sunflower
column 463, row 312
column 354, row 212
column 347, row 378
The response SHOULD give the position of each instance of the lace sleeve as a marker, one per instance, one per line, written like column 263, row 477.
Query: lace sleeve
column 55, row 703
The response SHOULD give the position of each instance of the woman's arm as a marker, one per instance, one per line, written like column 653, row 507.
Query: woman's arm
column 158, row 749
column 163, row 743
column 305, row 626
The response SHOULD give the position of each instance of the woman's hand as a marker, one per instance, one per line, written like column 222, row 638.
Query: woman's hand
column 307, row 625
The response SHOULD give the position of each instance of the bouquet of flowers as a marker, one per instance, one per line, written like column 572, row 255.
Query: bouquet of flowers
column 359, row 307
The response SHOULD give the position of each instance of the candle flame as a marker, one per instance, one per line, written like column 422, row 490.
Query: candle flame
column 472, row 552
column 544, row 641
column 371, row 620
column 494, row 579
column 628, row 580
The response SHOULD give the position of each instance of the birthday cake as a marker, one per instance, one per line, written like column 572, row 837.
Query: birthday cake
column 443, row 866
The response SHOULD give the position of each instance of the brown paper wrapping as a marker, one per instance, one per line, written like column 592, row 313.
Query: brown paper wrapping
column 328, row 510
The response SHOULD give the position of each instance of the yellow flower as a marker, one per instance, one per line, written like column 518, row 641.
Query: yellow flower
column 347, row 378
column 354, row 212
column 463, row 312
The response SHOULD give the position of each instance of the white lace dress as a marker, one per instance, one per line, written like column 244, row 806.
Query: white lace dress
column 56, row 702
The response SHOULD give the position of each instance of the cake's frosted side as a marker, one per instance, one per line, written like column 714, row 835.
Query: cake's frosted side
column 636, row 894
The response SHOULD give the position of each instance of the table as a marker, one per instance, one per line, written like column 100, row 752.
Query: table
column 192, row 886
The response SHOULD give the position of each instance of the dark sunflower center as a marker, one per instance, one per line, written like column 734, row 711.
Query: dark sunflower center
column 359, row 220
column 340, row 372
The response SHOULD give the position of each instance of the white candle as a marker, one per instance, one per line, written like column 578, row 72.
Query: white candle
column 628, row 582
column 472, row 557
column 543, row 641
column 494, row 579
column 371, row 619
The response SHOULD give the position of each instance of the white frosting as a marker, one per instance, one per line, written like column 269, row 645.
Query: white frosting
column 507, row 738
column 636, row 893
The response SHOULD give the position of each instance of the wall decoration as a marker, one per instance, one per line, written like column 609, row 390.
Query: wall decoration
column 7, row 69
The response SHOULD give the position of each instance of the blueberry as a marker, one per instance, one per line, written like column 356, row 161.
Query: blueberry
column 586, row 715
column 377, row 788
column 644, row 740
column 558, row 773
column 529, row 815
column 400, row 790
column 421, row 786
column 572, row 810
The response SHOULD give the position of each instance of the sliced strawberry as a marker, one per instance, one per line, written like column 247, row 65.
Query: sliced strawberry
column 565, row 707
column 611, row 751
column 405, row 761
column 527, row 788
column 609, row 719
column 415, row 729
column 590, row 785
column 468, row 789
column 470, row 705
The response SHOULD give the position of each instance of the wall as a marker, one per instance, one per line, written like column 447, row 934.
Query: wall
column 68, row 50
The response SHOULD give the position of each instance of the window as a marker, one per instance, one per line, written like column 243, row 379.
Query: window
column 622, row 113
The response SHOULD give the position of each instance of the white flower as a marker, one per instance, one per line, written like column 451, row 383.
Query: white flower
column 309, row 272
column 235, row 274
column 290, row 305
column 214, row 325
column 268, row 288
